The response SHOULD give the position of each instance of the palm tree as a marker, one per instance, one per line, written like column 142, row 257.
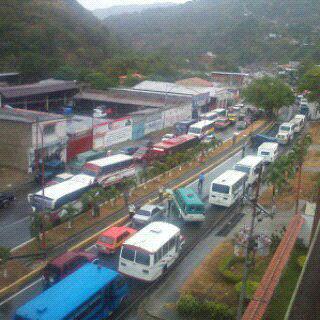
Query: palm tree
column 71, row 211
column 4, row 258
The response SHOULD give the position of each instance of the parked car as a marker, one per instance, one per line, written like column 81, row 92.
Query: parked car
column 147, row 213
column 129, row 150
column 62, row 266
column 111, row 240
column 221, row 123
column 59, row 178
column 168, row 136
column 6, row 198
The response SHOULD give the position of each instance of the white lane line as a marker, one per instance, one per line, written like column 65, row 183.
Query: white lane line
column 14, row 223
column 21, row 291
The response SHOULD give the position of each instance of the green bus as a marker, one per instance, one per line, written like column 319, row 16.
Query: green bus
column 190, row 206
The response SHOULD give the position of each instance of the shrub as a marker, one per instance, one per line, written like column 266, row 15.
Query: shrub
column 251, row 288
column 224, row 268
column 188, row 305
column 301, row 261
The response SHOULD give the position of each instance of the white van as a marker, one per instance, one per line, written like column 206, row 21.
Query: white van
column 269, row 151
column 251, row 165
column 226, row 189
column 283, row 137
column 302, row 118
column 298, row 124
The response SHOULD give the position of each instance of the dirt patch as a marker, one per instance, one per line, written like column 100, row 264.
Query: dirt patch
column 315, row 132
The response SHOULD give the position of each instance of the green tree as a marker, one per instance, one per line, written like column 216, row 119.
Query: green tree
column 67, row 72
column 311, row 82
column 100, row 81
column 4, row 258
column 268, row 93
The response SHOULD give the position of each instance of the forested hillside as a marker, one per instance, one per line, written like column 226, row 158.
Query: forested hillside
column 246, row 30
column 38, row 36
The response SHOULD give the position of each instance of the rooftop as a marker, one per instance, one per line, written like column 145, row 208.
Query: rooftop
column 43, row 87
column 229, row 177
column 194, row 82
column 27, row 116
column 152, row 237
column 250, row 160
column 111, row 160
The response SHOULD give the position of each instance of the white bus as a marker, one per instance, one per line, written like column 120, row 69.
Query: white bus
column 110, row 170
column 251, row 165
column 151, row 251
column 57, row 195
column 211, row 116
column 201, row 128
column 227, row 188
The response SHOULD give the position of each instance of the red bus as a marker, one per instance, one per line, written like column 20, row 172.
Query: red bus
column 174, row 145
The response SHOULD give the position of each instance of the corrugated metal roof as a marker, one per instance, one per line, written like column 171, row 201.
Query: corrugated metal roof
column 37, row 89
column 27, row 116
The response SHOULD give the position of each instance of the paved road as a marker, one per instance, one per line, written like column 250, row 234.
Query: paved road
column 15, row 220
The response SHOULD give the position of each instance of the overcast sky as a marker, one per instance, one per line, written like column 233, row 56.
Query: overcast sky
column 96, row 4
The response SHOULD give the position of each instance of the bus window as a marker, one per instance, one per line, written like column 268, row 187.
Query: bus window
column 157, row 256
column 127, row 254
column 220, row 188
column 172, row 243
column 165, row 248
column 241, row 168
column 143, row 258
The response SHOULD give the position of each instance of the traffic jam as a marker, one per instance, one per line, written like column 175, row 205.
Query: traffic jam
column 147, row 246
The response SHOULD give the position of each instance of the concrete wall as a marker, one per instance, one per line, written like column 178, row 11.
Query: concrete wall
column 15, row 141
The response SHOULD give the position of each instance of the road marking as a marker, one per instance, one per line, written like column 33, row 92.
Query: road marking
column 14, row 223
column 21, row 291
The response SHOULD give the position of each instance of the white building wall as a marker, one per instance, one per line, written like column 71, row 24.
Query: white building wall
column 173, row 115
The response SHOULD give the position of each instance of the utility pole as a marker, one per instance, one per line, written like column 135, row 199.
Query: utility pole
column 250, row 247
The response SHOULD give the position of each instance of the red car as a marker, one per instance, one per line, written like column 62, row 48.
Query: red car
column 111, row 240
column 66, row 264
column 221, row 123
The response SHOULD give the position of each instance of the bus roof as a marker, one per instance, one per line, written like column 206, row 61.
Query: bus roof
column 152, row 237
column 69, row 294
column 189, row 196
column 201, row 124
column 269, row 145
column 60, row 189
column 250, row 161
column 110, row 160
column 229, row 177
column 174, row 141
column 210, row 113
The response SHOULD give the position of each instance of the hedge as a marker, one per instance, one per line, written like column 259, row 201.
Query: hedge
column 252, row 286
column 301, row 261
column 226, row 264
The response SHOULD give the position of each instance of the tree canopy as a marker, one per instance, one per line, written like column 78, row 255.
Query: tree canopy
column 268, row 93
column 311, row 82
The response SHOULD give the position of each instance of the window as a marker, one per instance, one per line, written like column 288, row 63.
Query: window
column 127, row 254
column 49, row 129
column 220, row 188
column 265, row 153
column 165, row 248
column 157, row 256
column 172, row 243
column 241, row 168
column 143, row 258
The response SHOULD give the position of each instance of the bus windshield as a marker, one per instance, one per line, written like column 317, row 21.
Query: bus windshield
column 194, row 130
column 241, row 168
column 143, row 258
column 220, row 188
column 127, row 253
column 285, row 128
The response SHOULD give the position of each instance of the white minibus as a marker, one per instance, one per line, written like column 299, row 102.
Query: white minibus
column 151, row 251
column 227, row 188
column 287, row 127
column 211, row 116
column 201, row 128
column 251, row 165
column 269, row 151
column 301, row 118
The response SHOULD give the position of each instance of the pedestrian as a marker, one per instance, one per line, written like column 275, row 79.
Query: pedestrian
column 200, row 182
column 132, row 210
column 161, row 192
column 234, row 139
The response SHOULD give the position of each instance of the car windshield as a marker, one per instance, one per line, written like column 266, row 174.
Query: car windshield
column 106, row 240
column 220, row 188
column 143, row 213
column 195, row 130
column 285, row 128
column 241, row 168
